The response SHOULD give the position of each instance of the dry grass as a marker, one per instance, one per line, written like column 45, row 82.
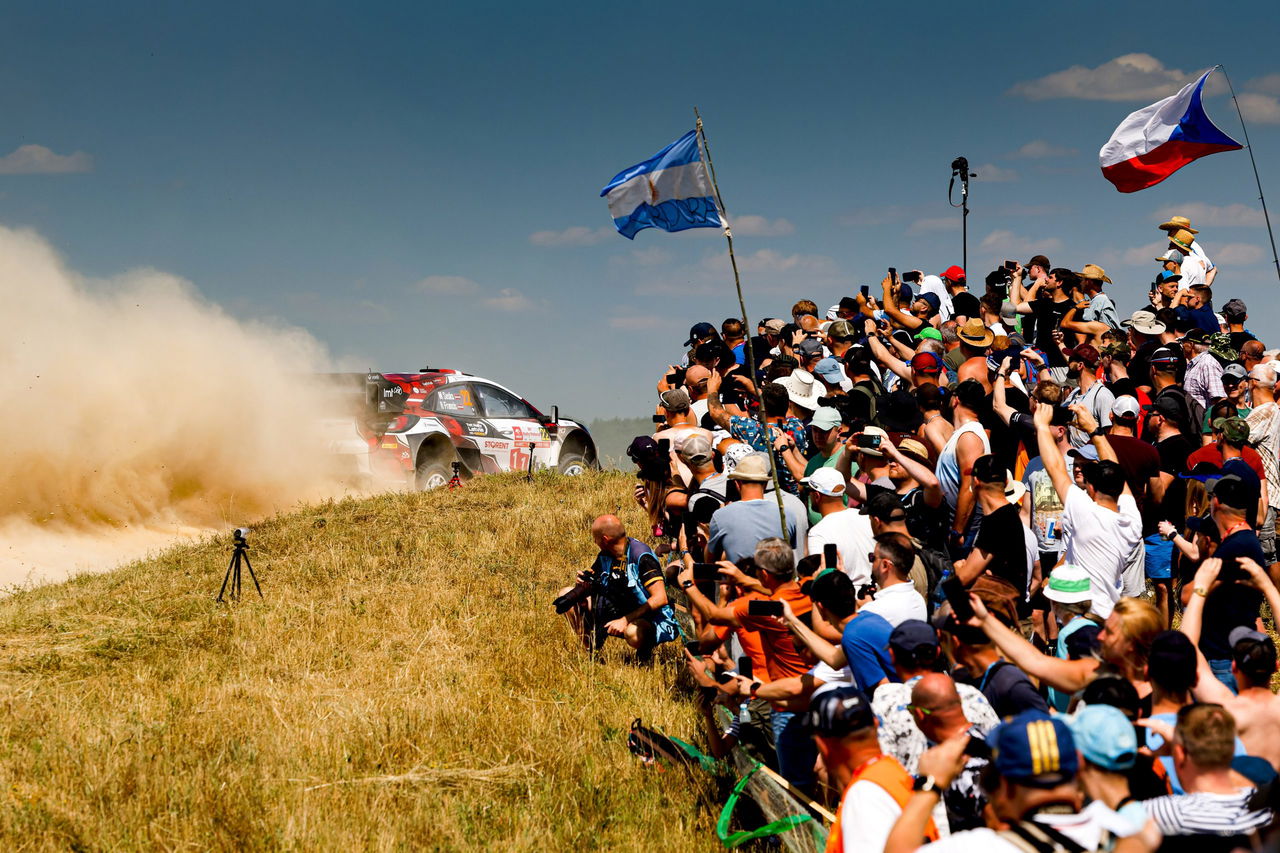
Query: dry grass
column 405, row 685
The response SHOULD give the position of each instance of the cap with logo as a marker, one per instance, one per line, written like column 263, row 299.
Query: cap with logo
column 675, row 399
column 1234, row 373
column 953, row 273
column 1195, row 336
column 830, row 369
column 1165, row 355
column 840, row 712
column 1105, row 737
column 826, row 481
column 698, row 332
column 1035, row 750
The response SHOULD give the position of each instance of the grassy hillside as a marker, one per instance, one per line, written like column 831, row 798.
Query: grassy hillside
column 405, row 684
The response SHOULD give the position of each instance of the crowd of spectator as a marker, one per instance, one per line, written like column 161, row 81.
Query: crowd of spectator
column 980, row 567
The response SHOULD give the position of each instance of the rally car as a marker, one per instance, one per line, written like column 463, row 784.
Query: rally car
column 417, row 425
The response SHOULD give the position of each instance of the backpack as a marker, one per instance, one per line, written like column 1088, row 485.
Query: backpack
column 1032, row 837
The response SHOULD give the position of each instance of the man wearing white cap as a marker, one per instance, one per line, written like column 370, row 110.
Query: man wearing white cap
column 1070, row 591
column 847, row 529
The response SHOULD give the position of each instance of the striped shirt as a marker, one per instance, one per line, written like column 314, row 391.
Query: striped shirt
column 1207, row 814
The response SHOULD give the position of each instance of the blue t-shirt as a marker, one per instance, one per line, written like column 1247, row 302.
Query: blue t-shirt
column 866, row 648
column 1155, row 742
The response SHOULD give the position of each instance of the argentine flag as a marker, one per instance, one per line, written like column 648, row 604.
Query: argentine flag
column 670, row 191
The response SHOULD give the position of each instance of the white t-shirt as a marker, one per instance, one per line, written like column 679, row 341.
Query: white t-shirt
column 831, row 678
column 867, row 815
column 1192, row 268
column 850, row 531
column 699, row 409
column 898, row 603
column 1085, row 829
column 1100, row 541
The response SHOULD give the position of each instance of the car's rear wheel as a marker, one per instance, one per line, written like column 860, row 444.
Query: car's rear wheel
column 434, row 470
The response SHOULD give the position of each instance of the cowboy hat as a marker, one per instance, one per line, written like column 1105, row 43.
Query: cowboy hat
column 1178, row 222
column 1182, row 238
column 976, row 334
column 1094, row 272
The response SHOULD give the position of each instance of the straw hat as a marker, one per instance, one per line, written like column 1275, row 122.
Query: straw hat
column 1095, row 272
column 1176, row 223
column 1182, row 238
column 976, row 334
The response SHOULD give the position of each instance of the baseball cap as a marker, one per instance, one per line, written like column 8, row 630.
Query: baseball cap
column 1168, row 407
column 841, row 330
column 773, row 326
column 753, row 468
column 1105, row 737
column 1035, row 750
column 1165, row 355
column 1240, row 633
column 1234, row 430
column 840, row 712
column 675, row 399
column 1230, row 490
column 954, row 273
column 848, row 303
column 826, row 481
column 830, row 369
column 1068, row 584
column 1167, row 275
column 1038, row 261
column 912, row 634
column 1087, row 452
column 1234, row 373
column 935, row 304
column 1235, row 308
column 826, row 417
column 1195, row 336
column 1085, row 353
column 929, row 333
column 1125, row 406
column 809, row 347
column 697, row 449
column 884, row 506
column 698, row 332
column 928, row 363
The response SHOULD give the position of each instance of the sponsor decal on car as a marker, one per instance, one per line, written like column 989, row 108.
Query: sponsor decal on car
column 477, row 428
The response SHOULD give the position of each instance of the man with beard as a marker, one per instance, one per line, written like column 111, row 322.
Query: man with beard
column 1050, row 311
column 1091, row 393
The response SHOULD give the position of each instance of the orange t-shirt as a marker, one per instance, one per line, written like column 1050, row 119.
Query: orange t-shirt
column 752, row 646
column 780, row 655
column 886, row 772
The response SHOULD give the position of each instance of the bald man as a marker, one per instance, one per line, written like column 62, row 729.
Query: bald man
column 695, row 382
column 938, row 712
column 628, row 597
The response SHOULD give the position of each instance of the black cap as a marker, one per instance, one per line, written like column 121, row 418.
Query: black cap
column 848, row 303
column 1171, row 663
column 1196, row 336
column 883, row 505
column 987, row 469
column 840, row 712
column 1230, row 491
column 1165, row 354
column 913, row 634
column 698, row 332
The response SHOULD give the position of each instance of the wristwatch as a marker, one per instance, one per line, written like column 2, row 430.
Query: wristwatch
column 755, row 685
column 1097, row 432
column 1201, row 591
column 686, row 584
column 924, row 784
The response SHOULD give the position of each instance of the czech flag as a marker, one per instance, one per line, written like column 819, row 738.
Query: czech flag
column 1156, row 141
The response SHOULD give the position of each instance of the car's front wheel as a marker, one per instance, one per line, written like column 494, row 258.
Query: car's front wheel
column 572, row 464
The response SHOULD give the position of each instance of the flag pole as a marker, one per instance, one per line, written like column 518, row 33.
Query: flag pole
column 751, row 356
column 1275, row 258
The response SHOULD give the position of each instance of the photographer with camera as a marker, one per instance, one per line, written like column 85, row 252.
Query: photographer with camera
column 623, row 594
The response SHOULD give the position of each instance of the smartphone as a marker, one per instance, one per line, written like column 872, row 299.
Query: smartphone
column 829, row 554
column 1011, row 265
column 694, row 647
column 866, row 291
column 911, row 277
column 664, row 446
column 893, row 275
column 691, row 530
column 870, row 442
column 659, row 419
column 706, row 572
column 958, row 598
column 1062, row 416
column 1231, row 570
column 744, row 667
column 724, row 677
column 764, row 607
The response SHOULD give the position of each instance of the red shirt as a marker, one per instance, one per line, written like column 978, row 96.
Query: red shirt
column 1212, row 453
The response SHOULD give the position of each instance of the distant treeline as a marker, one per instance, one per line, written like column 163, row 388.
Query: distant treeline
column 612, row 435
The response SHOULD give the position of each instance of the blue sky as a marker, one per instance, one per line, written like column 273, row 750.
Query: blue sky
column 418, row 183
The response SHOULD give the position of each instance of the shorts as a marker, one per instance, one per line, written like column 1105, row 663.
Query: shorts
column 1159, row 557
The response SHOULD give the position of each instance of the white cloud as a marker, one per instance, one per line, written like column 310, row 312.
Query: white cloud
column 936, row 223
column 650, row 256
column 1142, row 256
column 1201, row 214
column 1238, row 254
column 509, row 299
column 447, row 285
column 38, row 160
column 1040, row 148
column 1007, row 245
column 1270, row 84
column 1260, row 109
column 763, row 271
column 1132, row 77
column 575, row 235
column 759, row 226
column 993, row 174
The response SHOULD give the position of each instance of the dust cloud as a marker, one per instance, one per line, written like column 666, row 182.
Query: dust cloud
column 136, row 412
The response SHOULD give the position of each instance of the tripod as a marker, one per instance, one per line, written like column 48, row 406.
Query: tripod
column 455, row 482
column 960, row 169
column 239, row 555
